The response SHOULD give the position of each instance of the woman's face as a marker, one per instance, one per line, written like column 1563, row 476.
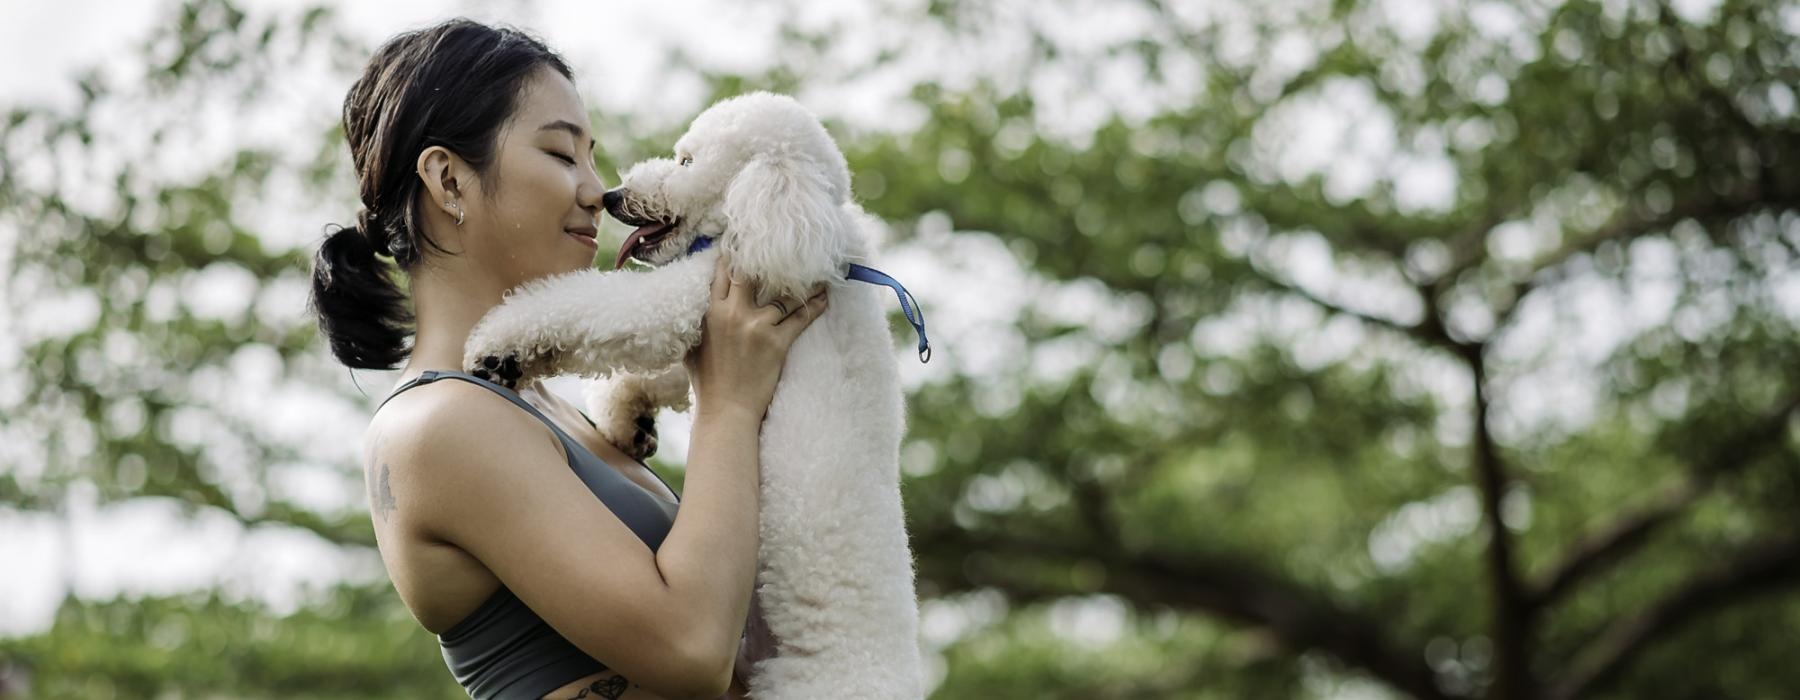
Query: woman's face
column 541, row 216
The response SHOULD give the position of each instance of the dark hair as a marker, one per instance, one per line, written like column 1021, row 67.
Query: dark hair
column 452, row 85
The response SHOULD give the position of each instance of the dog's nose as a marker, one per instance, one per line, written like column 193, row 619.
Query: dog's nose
column 610, row 200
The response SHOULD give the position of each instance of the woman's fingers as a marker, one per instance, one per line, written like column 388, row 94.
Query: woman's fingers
column 770, row 313
column 778, row 310
column 721, row 279
column 816, row 305
column 741, row 287
column 795, row 306
column 804, row 315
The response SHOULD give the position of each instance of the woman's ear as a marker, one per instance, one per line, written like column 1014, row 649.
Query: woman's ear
column 785, row 228
column 438, row 169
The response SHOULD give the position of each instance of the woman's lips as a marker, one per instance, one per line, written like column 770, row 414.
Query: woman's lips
column 586, row 239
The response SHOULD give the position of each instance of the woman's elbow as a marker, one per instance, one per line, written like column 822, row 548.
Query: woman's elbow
column 707, row 671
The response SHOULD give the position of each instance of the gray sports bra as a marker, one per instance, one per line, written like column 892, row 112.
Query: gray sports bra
column 503, row 650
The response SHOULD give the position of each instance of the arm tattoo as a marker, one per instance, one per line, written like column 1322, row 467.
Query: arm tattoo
column 610, row 688
column 383, row 500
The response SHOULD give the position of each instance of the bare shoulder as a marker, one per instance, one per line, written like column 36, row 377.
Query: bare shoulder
column 435, row 438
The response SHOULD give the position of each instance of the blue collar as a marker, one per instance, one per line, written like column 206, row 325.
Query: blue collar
column 908, row 305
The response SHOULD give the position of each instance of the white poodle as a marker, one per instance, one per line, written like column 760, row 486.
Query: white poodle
column 759, row 175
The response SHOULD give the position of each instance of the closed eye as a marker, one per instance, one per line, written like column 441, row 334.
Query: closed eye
column 686, row 160
column 564, row 158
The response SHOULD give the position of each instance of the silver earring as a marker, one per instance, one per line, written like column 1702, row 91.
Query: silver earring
column 459, row 211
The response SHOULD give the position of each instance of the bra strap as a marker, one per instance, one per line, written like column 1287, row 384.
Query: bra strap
column 432, row 375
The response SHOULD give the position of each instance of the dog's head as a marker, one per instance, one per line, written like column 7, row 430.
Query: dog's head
column 757, row 172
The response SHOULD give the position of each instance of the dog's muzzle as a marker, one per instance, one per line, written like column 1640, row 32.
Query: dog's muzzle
column 650, row 231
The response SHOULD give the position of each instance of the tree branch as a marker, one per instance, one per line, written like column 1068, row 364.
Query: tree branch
column 1430, row 331
column 1596, row 552
column 1759, row 568
column 1229, row 588
column 1510, row 615
column 1628, row 225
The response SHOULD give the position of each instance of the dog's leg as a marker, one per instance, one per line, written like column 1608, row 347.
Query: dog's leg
column 624, row 406
column 592, row 323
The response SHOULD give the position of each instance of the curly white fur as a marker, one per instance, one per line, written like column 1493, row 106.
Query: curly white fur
column 836, row 577
column 618, row 403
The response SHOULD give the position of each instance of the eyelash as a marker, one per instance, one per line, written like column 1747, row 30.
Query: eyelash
column 567, row 159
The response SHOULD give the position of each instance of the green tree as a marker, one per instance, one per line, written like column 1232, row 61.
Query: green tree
column 1266, row 421
column 1612, row 150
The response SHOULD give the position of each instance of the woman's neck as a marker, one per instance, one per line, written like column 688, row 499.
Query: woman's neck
column 446, row 306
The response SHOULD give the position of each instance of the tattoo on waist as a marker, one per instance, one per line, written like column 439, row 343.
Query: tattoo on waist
column 611, row 688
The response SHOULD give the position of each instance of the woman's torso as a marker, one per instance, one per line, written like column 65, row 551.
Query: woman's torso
column 442, row 584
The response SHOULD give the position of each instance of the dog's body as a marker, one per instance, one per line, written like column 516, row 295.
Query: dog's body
column 836, row 578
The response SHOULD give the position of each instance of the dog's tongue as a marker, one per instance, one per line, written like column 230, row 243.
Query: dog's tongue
column 631, row 242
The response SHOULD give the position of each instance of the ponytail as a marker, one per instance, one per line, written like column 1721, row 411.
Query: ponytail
column 362, row 311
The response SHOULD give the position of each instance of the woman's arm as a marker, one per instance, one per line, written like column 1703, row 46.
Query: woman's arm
column 709, row 557
column 475, row 472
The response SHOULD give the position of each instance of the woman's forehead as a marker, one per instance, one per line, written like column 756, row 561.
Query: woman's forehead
column 549, row 98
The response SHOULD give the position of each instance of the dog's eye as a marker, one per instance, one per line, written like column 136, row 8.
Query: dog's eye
column 686, row 160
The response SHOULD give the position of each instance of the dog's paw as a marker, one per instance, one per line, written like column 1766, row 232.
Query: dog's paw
column 499, row 370
column 643, row 440
column 508, row 370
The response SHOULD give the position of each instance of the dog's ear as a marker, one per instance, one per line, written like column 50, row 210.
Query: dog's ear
column 787, row 228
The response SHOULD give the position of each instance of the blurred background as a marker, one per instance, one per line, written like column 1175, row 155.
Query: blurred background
column 1290, row 349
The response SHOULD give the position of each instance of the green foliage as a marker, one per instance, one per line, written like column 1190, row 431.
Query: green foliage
column 1293, row 434
column 355, row 641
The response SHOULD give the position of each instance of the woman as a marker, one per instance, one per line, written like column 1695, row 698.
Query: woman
column 548, row 562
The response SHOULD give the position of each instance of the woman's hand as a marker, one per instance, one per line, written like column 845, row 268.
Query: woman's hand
column 742, row 346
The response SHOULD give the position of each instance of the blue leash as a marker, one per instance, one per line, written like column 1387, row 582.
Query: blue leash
column 908, row 305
